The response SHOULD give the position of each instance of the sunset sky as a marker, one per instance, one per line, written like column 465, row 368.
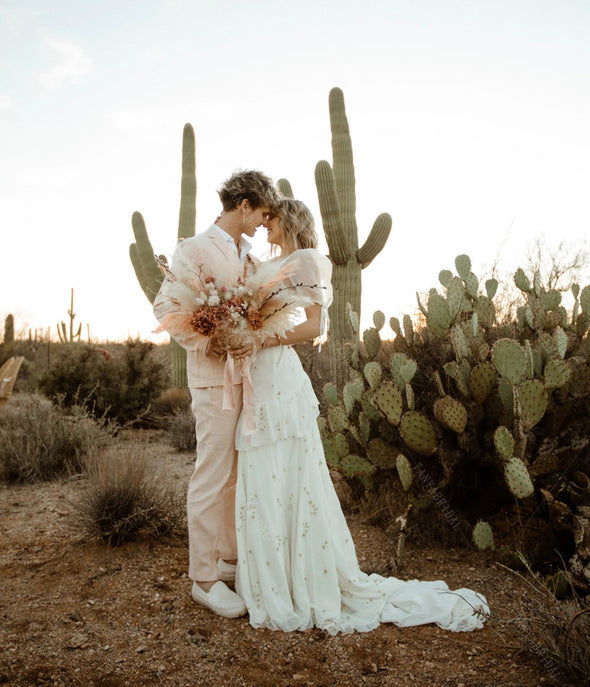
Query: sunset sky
column 470, row 123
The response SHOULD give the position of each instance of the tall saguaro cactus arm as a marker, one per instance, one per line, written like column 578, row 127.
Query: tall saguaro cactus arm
column 337, row 198
column 375, row 240
column 142, row 253
column 143, row 260
column 336, row 235
column 187, row 217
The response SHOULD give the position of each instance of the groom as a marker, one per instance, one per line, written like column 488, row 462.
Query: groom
column 247, row 197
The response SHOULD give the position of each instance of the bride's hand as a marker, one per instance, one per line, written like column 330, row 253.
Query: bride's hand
column 243, row 351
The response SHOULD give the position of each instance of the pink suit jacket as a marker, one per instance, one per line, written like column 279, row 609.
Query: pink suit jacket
column 215, row 257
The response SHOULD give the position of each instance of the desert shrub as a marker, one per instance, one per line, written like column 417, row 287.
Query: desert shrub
column 181, row 432
column 119, row 385
column 127, row 496
column 172, row 401
column 556, row 632
column 39, row 441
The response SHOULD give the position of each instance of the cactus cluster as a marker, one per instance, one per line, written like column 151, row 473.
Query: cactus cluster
column 462, row 395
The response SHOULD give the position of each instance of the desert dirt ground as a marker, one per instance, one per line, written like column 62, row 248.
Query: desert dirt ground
column 76, row 612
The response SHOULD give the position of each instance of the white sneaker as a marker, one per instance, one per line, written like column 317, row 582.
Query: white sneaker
column 227, row 571
column 220, row 599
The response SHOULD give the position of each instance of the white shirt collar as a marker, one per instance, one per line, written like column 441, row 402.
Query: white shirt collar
column 245, row 245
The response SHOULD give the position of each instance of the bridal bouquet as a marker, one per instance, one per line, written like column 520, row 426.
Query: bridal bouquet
column 263, row 302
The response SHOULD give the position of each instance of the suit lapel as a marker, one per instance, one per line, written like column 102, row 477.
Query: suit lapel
column 223, row 246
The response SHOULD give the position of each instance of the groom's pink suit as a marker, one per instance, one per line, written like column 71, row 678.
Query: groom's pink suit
column 211, row 491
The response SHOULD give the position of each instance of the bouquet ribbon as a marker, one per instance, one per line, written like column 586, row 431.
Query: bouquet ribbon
column 249, row 419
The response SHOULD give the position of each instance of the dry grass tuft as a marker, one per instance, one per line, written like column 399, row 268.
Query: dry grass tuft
column 40, row 441
column 127, row 496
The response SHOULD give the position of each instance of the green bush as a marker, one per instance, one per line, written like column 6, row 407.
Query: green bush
column 120, row 385
column 38, row 441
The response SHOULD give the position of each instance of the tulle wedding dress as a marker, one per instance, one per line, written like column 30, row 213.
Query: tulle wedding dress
column 297, row 565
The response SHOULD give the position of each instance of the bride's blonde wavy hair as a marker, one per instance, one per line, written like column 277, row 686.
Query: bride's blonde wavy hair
column 297, row 226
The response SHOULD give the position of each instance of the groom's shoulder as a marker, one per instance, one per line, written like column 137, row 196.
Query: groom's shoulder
column 202, row 239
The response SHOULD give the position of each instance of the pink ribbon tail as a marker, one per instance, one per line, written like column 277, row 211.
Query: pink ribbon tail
column 228, row 384
column 248, row 415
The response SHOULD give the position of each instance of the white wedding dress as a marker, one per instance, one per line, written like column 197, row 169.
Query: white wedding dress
column 297, row 565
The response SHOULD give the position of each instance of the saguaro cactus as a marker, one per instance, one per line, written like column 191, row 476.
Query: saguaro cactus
column 337, row 198
column 9, row 329
column 62, row 329
column 142, row 254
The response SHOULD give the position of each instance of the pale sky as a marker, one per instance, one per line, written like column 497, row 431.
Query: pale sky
column 470, row 124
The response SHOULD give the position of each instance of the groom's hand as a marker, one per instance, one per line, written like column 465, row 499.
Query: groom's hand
column 214, row 350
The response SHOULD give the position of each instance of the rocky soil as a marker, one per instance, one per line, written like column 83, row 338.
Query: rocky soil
column 75, row 612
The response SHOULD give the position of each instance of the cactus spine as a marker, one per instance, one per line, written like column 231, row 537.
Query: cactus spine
column 337, row 198
column 142, row 254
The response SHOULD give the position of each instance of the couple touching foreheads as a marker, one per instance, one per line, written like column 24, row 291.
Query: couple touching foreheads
column 262, row 510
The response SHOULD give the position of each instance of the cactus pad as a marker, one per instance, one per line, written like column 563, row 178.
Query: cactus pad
column 337, row 418
column 352, row 392
column 463, row 266
column 369, row 407
column 373, row 374
column 556, row 374
column 482, row 381
column 356, row 466
column 491, row 287
column 482, row 536
column 522, row 281
column 509, row 359
column 545, row 465
column 381, row 454
column 439, row 316
column 335, row 448
column 455, row 295
column 444, row 277
column 372, row 342
column 418, row 433
column 404, row 470
column 518, row 478
column 459, row 342
column 560, row 339
column 408, row 329
column 378, row 319
column 331, row 394
column 504, row 443
column 364, row 428
column 533, row 402
column 353, row 318
column 450, row 413
column 388, row 399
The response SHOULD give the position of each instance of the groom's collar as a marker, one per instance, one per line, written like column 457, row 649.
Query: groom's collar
column 245, row 245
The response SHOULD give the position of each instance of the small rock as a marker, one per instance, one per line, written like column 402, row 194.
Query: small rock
column 141, row 649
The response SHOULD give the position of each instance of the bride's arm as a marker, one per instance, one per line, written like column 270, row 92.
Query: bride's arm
column 305, row 331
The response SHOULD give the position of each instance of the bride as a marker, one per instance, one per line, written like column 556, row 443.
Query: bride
column 297, row 566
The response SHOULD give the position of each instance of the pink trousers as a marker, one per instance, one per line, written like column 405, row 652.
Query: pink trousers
column 212, row 486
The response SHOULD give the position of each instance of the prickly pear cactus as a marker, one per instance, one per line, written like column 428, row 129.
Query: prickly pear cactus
column 482, row 536
column 490, row 411
column 418, row 433
column 518, row 479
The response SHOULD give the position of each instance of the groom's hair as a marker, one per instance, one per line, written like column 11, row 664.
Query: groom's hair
column 250, row 185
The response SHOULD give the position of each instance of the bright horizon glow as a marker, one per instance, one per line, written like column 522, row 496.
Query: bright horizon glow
column 470, row 125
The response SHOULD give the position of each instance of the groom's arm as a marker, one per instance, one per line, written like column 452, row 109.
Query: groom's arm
column 166, row 304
